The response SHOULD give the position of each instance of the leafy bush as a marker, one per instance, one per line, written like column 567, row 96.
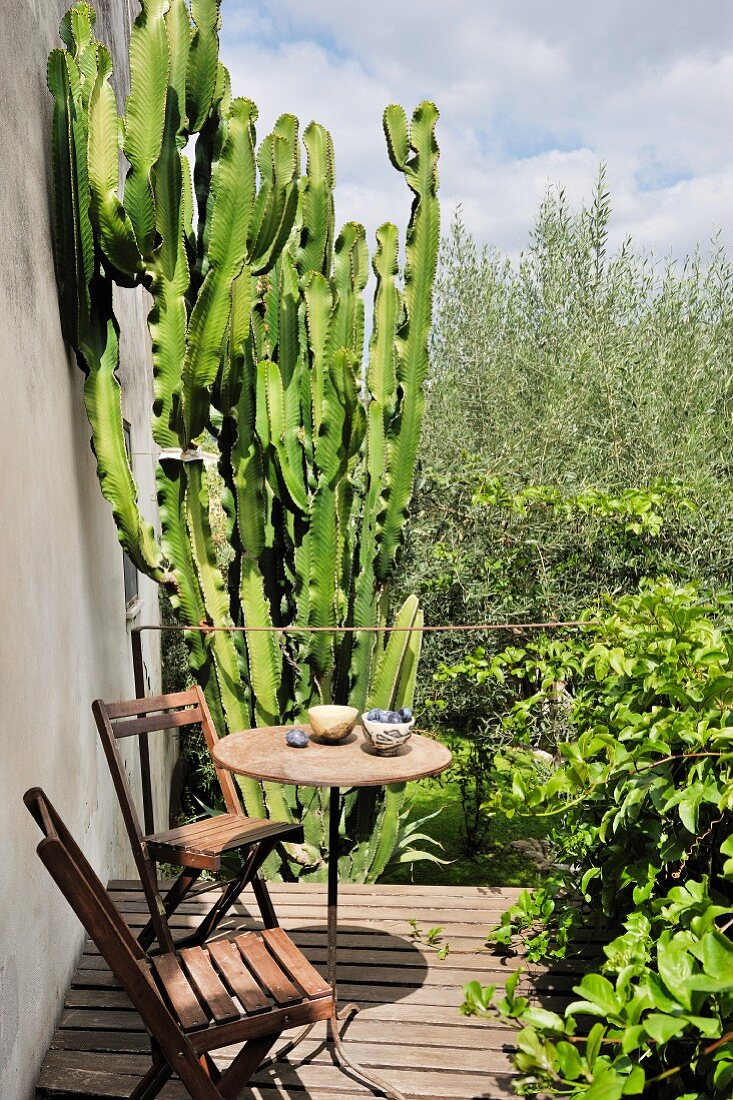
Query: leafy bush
column 640, row 804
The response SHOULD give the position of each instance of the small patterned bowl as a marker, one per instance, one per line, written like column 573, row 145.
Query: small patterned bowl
column 386, row 737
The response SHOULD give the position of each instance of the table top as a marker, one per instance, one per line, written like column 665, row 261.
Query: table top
column 264, row 754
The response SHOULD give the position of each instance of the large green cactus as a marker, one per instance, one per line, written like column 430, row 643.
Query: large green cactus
column 257, row 335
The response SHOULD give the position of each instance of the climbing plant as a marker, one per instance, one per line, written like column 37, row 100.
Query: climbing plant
column 638, row 804
column 257, row 337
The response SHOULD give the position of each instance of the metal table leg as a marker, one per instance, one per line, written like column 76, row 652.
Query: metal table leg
column 371, row 1080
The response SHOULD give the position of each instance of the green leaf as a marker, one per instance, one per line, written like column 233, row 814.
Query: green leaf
column 571, row 1064
column 600, row 998
column 663, row 1028
column 675, row 969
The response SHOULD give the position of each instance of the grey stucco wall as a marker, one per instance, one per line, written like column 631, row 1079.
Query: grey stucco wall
column 64, row 639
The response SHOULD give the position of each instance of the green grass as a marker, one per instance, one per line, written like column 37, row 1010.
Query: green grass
column 499, row 865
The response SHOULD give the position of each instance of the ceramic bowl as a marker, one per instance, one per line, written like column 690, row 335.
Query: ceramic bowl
column 386, row 737
column 332, row 723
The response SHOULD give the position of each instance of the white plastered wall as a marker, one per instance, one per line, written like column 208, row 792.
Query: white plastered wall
column 64, row 636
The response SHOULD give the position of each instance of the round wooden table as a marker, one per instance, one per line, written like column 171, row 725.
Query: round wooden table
column 264, row 754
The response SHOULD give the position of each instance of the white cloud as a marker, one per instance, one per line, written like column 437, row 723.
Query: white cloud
column 530, row 94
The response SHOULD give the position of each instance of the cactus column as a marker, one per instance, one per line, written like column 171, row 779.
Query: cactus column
column 257, row 338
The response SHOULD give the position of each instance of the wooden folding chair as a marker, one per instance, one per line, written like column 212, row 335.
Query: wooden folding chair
column 246, row 988
column 197, row 846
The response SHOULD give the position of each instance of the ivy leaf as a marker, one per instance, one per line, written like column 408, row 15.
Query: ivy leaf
column 601, row 998
column 675, row 969
column 593, row 1043
column 608, row 1086
column 663, row 1028
column 635, row 1082
column 571, row 1064
column 543, row 1018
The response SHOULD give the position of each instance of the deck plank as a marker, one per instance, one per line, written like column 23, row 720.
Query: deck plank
column 409, row 1028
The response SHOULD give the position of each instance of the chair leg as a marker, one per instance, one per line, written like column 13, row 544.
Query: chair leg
column 244, row 1065
column 171, row 901
column 255, row 858
column 151, row 1084
column 264, row 902
column 210, row 1067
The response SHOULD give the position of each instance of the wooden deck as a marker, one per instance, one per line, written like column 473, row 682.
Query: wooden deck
column 409, row 1029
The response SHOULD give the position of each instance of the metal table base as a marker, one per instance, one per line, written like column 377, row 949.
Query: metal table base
column 333, row 1035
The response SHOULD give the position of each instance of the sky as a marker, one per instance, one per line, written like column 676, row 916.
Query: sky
column 531, row 93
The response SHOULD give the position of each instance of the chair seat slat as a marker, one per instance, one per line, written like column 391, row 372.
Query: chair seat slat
column 180, row 994
column 266, row 970
column 204, row 844
column 294, row 962
column 237, row 976
column 196, row 830
column 208, row 985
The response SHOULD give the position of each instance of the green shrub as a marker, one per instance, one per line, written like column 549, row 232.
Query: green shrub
column 640, row 806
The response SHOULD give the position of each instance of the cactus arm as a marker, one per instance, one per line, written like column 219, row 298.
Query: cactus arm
column 187, row 597
column 386, row 679
column 215, row 597
column 247, row 474
column 73, row 236
column 185, row 592
column 264, row 654
column 77, row 33
column 283, row 436
column 203, row 61
column 319, row 306
column 277, row 200
column 341, row 417
column 293, row 370
column 323, row 554
column 144, row 117
column 226, row 663
column 316, row 203
column 208, row 147
column 108, row 215
column 233, row 186
column 420, row 171
column 170, row 271
column 102, row 397
column 381, row 385
column 350, row 272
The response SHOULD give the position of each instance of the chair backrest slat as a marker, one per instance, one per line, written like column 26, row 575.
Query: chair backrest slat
column 151, row 723
column 130, row 707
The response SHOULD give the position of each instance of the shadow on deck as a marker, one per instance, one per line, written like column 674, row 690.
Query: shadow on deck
column 408, row 1029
